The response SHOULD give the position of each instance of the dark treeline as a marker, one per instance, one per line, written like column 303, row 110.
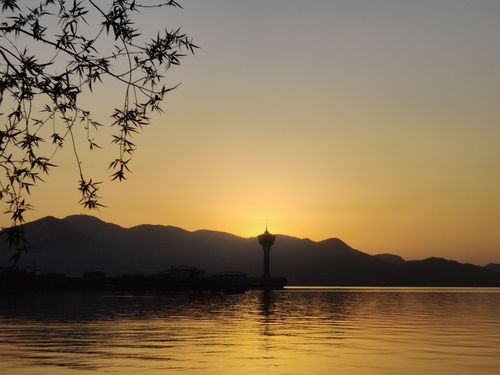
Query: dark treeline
column 181, row 278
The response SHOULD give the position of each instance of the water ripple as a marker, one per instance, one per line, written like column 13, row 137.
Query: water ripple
column 317, row 331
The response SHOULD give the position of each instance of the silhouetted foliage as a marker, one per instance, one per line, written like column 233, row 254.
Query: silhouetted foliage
column 52, row 52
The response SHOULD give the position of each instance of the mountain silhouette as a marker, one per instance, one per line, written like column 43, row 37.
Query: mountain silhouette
column 493, row 267
column 81, row 243
column 390, row 258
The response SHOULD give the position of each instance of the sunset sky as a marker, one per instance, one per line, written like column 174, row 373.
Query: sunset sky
column 375, row 121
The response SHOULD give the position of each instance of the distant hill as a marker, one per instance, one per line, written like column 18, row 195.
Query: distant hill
column 390, row 258
column 80, row 243
column 493, row 267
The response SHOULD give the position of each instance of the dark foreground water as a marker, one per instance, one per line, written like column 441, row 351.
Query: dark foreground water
column 298, row 331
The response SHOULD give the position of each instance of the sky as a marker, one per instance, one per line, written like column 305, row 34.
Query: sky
column 374, row 121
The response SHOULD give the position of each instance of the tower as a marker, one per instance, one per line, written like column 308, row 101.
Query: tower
column 266, row 240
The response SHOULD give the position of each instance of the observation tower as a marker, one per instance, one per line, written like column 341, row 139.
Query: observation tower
column 266, row 240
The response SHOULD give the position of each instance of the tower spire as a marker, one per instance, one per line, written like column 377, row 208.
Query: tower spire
column 266, row 240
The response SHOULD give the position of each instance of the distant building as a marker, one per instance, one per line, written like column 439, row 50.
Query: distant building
column 230, row 282
column 184, row 273
column 232, row 276
column 266, row 240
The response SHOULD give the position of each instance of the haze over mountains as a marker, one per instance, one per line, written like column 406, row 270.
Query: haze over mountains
column 81, row 243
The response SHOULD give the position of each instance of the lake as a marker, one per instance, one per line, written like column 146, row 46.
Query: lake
column 292, row 331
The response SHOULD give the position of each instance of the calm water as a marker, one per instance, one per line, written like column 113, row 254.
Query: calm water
column 326, row 331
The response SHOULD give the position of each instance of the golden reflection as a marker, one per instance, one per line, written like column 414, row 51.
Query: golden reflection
column 275, row 332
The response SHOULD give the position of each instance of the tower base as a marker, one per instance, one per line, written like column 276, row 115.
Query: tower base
column 272, row 283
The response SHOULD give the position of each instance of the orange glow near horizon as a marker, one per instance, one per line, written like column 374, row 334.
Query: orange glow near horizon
column 375, row 124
